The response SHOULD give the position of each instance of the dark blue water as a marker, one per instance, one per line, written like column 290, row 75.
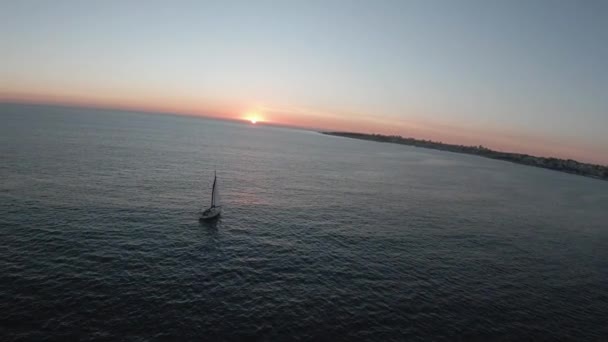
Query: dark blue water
column 322, row 238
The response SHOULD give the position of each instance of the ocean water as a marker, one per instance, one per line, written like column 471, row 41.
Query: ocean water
column 321, row 238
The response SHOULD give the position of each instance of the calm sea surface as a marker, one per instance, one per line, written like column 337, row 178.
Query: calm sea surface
column 321, row 238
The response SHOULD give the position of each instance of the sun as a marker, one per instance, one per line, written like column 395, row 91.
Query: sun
column 253, row 117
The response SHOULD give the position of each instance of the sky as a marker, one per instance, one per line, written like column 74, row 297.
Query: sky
column 526, row 76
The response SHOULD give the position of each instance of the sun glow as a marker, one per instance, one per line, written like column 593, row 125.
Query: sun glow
column 253, row 117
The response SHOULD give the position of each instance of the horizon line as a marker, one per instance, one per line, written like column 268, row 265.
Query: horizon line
column 216, row 116
column 137, row 109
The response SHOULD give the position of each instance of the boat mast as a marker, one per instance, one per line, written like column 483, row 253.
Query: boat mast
column 213, row 190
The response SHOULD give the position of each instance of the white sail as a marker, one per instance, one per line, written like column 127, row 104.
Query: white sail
column 215, row 209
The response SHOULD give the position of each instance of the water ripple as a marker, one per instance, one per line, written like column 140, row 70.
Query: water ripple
column 321, row 238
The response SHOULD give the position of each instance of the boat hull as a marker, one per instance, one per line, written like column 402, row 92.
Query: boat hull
column 210, row 214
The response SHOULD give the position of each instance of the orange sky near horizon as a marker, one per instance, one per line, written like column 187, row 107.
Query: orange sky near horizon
column 526, row 77
column 491, row 137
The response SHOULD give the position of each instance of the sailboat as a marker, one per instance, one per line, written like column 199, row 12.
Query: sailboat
column 215, row 209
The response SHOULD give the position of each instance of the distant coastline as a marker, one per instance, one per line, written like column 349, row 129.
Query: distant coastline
column 563, row 165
